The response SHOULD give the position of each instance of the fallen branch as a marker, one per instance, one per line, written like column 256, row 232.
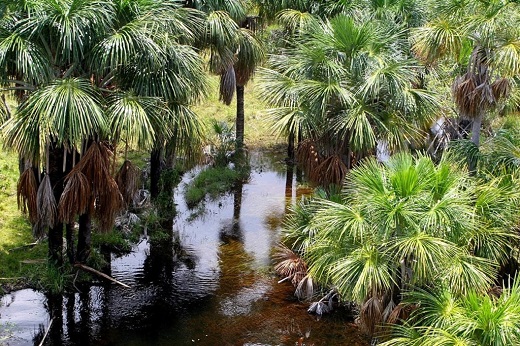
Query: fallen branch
column 23, row 246
column 103, row 275
column 46, row 332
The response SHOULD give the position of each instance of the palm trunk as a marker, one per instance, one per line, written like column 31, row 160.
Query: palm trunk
column 84, row 238
column 239, row 126
column 475, row 138
column 56, row 175
column 69, row 236
column 55, row 241
column 290, row 147
column 172, row 147
column 155, row 171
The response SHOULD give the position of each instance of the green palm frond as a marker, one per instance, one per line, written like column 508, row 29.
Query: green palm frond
column 345, row 223
column 66, row 110
column 124, row 46
column 278, row 89
column 466, row 273
column 251, row 54
column 437, row 39
column 190, row 130
column 296, row 21
column 439, row 308
column 423, row 253
column 178, row 77
column 235, row 8
column 365, row 272
column 134, row 119
column 221, row 38
column 20, row 56
column 185, row 24
column 76, row 24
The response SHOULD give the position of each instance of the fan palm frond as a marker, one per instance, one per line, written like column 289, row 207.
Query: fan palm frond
column 96, row 166
column 26, row 192
column 227, row 85
column 297, row 21
column 46, row 205
column 251, row 54
column 127, row 179
column 76, row 198
column 134, row 119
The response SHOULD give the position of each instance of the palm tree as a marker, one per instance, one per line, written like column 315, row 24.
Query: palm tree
column 407, row 223
column 234, row 52
column 479, row 36
column 472, row 319
column 345, row 85
column 79, row 69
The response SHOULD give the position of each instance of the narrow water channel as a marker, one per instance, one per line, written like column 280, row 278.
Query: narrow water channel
column 215, row 288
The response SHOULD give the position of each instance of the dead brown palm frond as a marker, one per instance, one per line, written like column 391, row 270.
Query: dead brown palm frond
column 95, row 164
column 332, row 170
column 76, row 197
column 371, row 315
column 108, row 204
column 305, row 288
column 308, row 157
column 227, row 85
column 401, row 312
column 289, row 265
column 26, row 192
column 127, row 179
column 465, row 96
column 501, row 88
column 46, row 205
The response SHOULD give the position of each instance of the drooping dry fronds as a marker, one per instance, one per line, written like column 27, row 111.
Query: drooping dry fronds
column 26, row 192
column 501, row 88
column 289, row 265
column 401, row 312
column 46, row 205
column 371, row 315
column 95, row 165
column 308, row 157
column 109, row 203
column 76, row 197
column 127, row 179
column 332, row 170
column 227, row 85
column 305, row 288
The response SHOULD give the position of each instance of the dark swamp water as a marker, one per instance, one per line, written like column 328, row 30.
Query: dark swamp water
column 215, row 288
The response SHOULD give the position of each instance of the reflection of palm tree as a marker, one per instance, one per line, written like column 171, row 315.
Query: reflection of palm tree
column 233, row 231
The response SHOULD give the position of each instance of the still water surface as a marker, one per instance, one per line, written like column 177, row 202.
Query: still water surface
column 215, row 288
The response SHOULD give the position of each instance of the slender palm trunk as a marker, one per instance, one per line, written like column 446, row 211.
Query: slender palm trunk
column 69, row 236
column 84, row 235
column 155, row 171
column 172, row 147
column 290, row 147
column 475, row 138
column 239, row 126
column 56, row 175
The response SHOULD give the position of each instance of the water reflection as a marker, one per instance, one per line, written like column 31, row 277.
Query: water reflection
column 208, row 283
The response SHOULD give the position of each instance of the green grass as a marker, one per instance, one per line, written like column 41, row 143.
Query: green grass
column 257, row 132
column 212, row 181
column 19, row 264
